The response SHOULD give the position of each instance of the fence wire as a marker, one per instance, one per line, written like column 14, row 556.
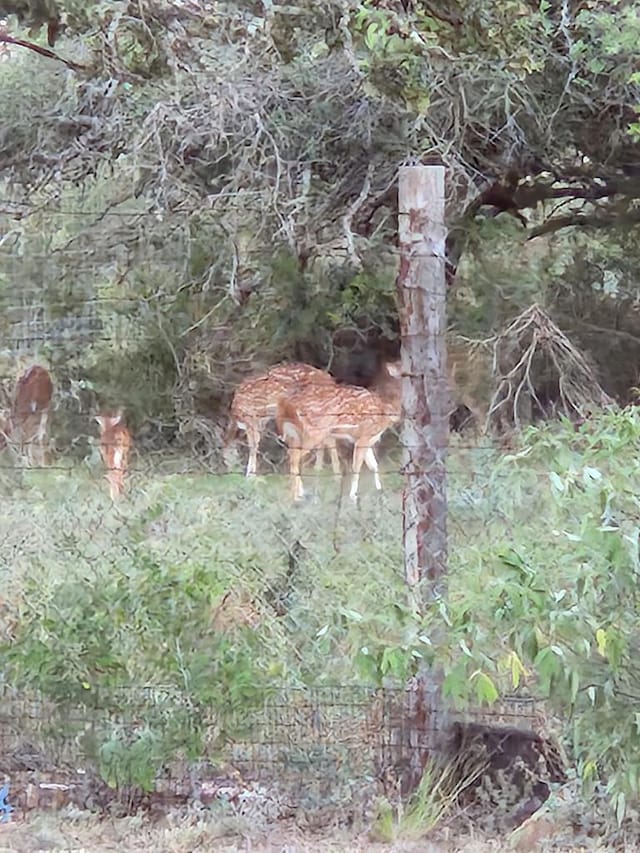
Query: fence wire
column 199, row 580
column 312, row 750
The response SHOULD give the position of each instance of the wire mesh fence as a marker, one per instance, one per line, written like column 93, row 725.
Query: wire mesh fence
column 196, row 576
column 311, row 750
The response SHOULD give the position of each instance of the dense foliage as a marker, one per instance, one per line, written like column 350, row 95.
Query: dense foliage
column 550, row 599
column 222, row 166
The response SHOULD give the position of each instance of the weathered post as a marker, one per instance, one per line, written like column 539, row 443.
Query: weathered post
column 421, row 290
column 423, row 324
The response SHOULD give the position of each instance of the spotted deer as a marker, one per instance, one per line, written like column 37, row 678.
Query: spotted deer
column 256, row 399
column 319, row 415
column 25, row 428
column 115, row 446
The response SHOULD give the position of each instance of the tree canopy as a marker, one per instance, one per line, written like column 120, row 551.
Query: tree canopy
column 290, row 120
column 252, row 149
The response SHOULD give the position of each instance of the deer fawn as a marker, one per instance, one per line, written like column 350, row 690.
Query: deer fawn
column 319, row 415
column 28, row 418
column 255, row 402
column 115, row 446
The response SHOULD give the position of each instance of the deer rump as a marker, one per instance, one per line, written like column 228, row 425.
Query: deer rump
column 29, row 413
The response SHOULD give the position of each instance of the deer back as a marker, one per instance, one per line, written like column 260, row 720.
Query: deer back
column 258, row 396
column 342, row 410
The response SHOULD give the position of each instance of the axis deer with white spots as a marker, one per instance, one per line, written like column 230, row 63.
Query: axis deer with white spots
column 115, row 447
column 256, row 399
column 26, row 426
column 320, row 415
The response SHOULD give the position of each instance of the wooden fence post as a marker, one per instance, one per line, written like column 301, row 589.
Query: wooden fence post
column 421, row 290
column 423, row 324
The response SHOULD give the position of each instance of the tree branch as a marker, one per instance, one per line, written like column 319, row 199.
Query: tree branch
column 43, row 51
column 584, row 220
column 351, row 211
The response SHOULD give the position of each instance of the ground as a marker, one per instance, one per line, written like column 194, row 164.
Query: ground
column 83, row 833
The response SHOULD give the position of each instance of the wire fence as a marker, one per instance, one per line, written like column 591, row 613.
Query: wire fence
column 199, row 580
column 202, row 573
column 317, row 751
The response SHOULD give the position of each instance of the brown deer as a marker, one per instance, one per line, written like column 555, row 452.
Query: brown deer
column 319, row 415
column 115, row 446
column 26, row 426
column 256, row 399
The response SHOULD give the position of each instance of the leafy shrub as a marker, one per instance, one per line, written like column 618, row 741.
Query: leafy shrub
column 552, row 600
column 85, row 640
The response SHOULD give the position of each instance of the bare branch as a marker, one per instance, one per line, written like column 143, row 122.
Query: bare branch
column 584, row 220
column 351, row 211
column 43, row 51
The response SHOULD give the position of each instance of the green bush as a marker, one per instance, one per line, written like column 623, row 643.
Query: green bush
column 89, row 636
column 548, row 597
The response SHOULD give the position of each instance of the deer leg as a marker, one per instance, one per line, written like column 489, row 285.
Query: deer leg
column 335, row 459
column 19, row 445
column 372, row 464
column 359, row 452
column 253, row 440
column 295, row 460
column 42, row 438
column 118, row 471
column 112, row 489
column 31, row 450
column 480, row 418
column 26, row 451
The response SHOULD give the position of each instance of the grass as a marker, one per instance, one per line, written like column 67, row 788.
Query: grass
column 152, row 567
column 90, row 586
column 184, row 833
column 434, row 799
column 338, row 565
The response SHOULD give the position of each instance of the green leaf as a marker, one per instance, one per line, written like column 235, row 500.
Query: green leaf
column 574, row 684
column 353, row 615
column 601, row 641
column 590, row 474
column 371, row 36
column 486, row 690
column 621, row 806
column 517, row 669
column 465, row 648
column 556, row 481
